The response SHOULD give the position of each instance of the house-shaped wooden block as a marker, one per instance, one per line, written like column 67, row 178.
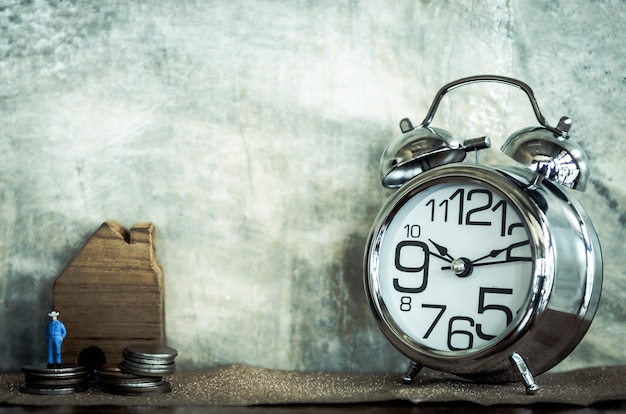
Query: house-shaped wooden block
column 111, row 295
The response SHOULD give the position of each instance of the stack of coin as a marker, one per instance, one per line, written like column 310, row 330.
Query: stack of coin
column 65, row 379
column 142, row 371
column 149, row 360
column 118, row 382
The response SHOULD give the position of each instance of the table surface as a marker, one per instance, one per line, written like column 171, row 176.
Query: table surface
column 387, row 408
column 240, row 388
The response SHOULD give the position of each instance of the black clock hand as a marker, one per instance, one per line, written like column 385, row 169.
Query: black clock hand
column 512, row 259
column 443, row 252
column 509, row 256
column 464, row 268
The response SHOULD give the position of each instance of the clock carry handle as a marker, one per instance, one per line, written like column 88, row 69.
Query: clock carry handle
column 562, row 129
column 544, row 149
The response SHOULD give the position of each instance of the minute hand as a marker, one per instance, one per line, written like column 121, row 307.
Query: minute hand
column 514, row 259
column 509, row 256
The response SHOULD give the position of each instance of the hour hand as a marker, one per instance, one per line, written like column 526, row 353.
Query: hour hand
column 509, row 255
column 463, row 267
column 443, row 252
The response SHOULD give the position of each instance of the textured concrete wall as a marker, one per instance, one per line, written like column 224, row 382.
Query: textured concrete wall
column 249, row 133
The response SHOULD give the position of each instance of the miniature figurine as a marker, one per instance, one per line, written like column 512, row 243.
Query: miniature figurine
column 55, row 333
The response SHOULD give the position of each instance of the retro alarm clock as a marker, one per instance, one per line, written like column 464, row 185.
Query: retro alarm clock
column 492, row 273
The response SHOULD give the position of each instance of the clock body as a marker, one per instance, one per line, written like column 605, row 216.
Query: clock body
column 467, row 265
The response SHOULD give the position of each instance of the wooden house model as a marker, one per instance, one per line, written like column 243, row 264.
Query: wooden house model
column 111, row 295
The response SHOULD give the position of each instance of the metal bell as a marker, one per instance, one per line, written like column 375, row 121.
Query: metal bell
column 551, row 154
column 421, row 149
column 415, row 152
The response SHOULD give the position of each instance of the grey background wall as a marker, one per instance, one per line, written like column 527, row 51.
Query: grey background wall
column 249, row 133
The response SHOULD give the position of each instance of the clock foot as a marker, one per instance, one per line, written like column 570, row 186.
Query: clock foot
column 411, row 373
column 527, row 376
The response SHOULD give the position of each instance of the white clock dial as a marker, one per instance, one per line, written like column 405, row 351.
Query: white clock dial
column 455, row 266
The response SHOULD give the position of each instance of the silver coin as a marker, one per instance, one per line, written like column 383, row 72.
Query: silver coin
column 130, row 382
column 147, row 361
column 162, row 388
column 53, row 383
column 114, row 371
column 148, row 367
column 52, row 391
column 63, row 378
column 47, row 368
column 118, row 376
column 136, row 385
column 146, row 351
column 146, row 370
column 132, row 379
column 43, row 369
column 42, row 374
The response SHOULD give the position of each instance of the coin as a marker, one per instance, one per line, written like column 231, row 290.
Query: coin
column 141, row 372
column 125, row 378
column 63, row 370
column 114, row 371
column 52, row 391
column 163, row 387
column 147, row 361
column 61, row 375
column 52, row 383
column 42, row 380
column 147, row 370
column 151, row 352
column 137, row 385
column 119, row 382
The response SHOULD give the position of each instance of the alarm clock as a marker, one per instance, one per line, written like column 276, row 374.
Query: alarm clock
column 491, row 273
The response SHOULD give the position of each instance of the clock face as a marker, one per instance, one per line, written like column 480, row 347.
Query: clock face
column 454, row 270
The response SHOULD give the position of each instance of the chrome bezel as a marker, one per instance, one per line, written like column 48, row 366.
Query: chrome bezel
column 558, row 229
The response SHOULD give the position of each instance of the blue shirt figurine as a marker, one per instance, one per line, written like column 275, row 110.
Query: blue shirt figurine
column 55, row 333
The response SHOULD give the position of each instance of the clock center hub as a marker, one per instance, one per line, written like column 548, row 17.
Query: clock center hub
column 462, row 267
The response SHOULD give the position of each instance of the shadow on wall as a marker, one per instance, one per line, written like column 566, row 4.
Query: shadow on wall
column 342, row 324
column 26, row 298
